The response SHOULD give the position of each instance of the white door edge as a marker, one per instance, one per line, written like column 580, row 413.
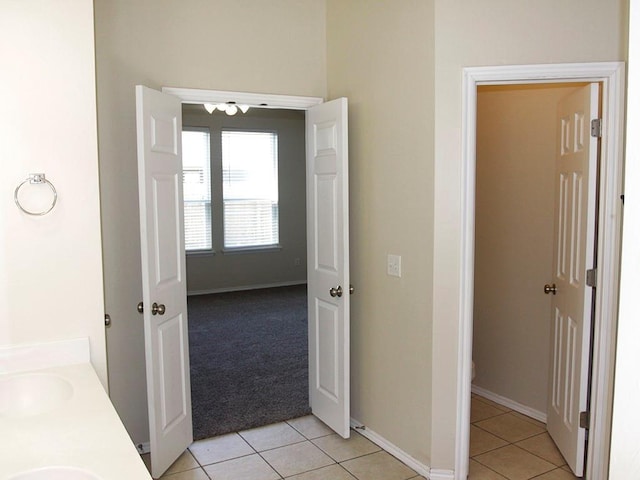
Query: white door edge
column 612, row 76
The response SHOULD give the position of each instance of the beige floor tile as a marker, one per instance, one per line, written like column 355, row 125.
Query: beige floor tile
column 542, row 446
column 482, row 442
column 219, row 449
column 481, row 410
column 341, row 449
column 493, row 404
column 146, row 458
column 195, row 474
column 557, row 474
column 477, row 471
column 296, row 458
column 310, row 427
column 251, row 467
column 183, row 463
column 332, row 472
column 531, row 420
column 378, row 466
column 514, row 463
column 567, row 469
column 272, row 436
column 509, row 427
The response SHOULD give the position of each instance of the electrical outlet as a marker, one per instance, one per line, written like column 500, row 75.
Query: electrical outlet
column 394, row 265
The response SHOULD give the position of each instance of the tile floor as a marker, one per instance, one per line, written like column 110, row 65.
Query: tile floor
column 299, row 449
column 504, row 445
column 508, row 445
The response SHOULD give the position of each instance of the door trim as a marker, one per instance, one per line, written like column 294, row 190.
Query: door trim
column 611, row 75
column 263, row 100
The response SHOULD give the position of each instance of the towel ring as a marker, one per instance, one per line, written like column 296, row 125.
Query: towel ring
column 36, row 179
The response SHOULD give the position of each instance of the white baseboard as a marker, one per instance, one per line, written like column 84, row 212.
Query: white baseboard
column 404, row 457
column 513, row 405
column 246, row 287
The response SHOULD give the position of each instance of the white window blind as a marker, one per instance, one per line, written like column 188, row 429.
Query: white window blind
column 196, row 177
column 250, row 188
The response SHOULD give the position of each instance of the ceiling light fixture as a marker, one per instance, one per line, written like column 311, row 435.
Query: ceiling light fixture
column 230, row 108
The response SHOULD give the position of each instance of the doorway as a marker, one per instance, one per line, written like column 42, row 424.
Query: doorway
column 247, row 292
column 608, row 223
column 516, row 145
column 159, row 122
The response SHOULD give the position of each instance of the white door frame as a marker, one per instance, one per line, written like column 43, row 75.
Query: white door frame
column 611, row 75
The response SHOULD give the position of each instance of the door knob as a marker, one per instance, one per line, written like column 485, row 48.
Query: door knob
column 336, row 292
column 140, row 307
column 157, row 309
column 550, row 288
column 351, row 289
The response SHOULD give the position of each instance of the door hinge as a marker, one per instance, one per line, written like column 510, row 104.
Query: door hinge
column 596, row 127
column 591, row 277
column 584, row 420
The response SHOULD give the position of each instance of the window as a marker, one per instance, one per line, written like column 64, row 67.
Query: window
column 250, row 188
column 196, row 178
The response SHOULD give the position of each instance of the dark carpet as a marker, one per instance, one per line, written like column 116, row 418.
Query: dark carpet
column 249, row 354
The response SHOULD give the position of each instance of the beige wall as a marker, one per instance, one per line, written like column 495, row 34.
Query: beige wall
column 380, row 56
column 625, row 448
column 206, row 273
column 244, row 45
column 50, row 266
column 515, row 166
column 493, row 32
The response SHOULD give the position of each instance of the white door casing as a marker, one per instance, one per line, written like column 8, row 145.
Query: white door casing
column 328, row 263
column 574, row 240
column 159, row 131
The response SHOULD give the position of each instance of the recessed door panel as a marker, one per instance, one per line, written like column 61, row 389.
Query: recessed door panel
column 173, row 393
column 166, row 206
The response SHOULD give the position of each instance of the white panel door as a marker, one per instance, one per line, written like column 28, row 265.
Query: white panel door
column 328, row 263
column 159, row 127
column 574, row 239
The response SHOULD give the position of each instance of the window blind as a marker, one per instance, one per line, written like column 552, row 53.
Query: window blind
column 250, row 188
column 196, row 179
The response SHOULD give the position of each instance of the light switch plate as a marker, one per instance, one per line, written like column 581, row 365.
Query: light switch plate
column 394, row 265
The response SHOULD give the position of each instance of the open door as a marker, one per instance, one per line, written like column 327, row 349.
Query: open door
column 159, row 130
column 574, row 255
column 328, row 263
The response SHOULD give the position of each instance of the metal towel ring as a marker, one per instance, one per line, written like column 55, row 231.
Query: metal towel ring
column 36, row 179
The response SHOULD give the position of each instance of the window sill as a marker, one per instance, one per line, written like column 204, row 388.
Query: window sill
column 242, row 250
column 200, row 253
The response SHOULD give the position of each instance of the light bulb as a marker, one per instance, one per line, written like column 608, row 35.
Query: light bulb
column 232, row 110
column 243, row 108
column 209, row 107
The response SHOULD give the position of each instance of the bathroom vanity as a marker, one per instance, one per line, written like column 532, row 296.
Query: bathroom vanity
column 56, row 419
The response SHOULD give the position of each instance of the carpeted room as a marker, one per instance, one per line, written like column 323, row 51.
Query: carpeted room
column 249, row 358
column 248, row 342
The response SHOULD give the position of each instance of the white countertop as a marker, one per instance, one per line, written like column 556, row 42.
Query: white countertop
column 83, row 432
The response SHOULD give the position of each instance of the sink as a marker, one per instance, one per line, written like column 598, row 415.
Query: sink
column 33, row 394
column 55, row 473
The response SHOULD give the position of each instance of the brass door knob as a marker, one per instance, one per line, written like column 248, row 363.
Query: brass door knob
column 550, row 288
